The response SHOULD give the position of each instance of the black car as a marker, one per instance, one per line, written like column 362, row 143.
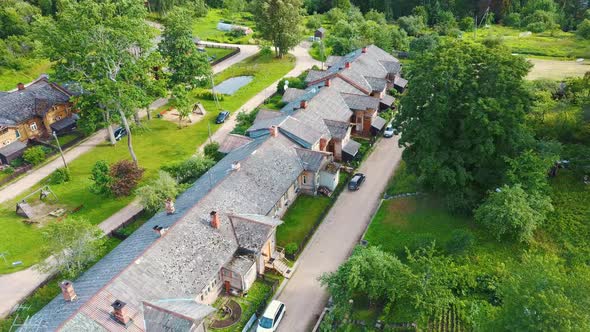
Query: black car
column 120, row 133
column 222, row 117
column 356, row 181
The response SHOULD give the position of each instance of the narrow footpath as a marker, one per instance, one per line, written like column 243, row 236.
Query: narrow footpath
column 16, row 286
column 334, row 240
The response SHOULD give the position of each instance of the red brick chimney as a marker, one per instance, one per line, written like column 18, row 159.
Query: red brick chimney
column 365, row 49
column 20, row 86
column 323, row 144
column 347, row 65
column 215, row 223
column 328, row 82
column 67, row 290
column 120, row 312
column 303, row 104
column 274, row 131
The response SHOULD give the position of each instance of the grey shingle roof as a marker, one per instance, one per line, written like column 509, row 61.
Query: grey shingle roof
column 232, row 142
column 388, row 100
column 174, row 314
column 312, row 160
column 265, row 114
column 401, row 82
column 240, row 264
column 305, row 135
column 376, row 83
column 34, row 100
column 252, row 231
column 332, row 59
column 292, row 94
column 12, row 148
column 338, row 129
column 352, row 147
column 327, row 104
column 360, row 102
column 378, row 122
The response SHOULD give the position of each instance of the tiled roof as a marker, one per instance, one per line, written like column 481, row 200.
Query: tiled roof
column 388, row 100
column 180, row 263
column 338, row 129
column 401, row 82
column 312, row 160
column 252, row 231
column 360, row 102
column 376, row 83
column 352, row 147
column 38, row 97
column 378, row 122
column 232, row 142
column 292, row 94
column 12, row 148
column 295, row 129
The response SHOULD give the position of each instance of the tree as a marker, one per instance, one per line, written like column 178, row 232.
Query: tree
column 344, row 38
column 233, row 7
column 107, row 54
column 543, row 295
column 188, row 66
column 377, row 17
column 155, row 194
column 314, row 22
column 447, row 24
column 412, row 25
column 73, row 243
column 461, row 117
column 181, row 102
column 125, row 175
column 34, row 155
column 341, row 4
column 423, row 44
column 190, row 170
column 511, row 212
column 530, row 171
column 279, row 21
column 584, row 29
column 467, row 24
column 101, row 178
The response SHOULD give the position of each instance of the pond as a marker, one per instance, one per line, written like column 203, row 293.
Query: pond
column 231, row 85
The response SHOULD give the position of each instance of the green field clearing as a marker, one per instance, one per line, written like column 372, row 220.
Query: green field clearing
column 205, row 28
column 158, row 143
column 9, row 78
column 300, row 219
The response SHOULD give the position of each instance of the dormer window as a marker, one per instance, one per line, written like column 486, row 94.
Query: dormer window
column 34, row 126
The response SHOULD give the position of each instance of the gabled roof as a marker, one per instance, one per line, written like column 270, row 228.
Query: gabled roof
column 12, row 148
column 36, row 99
column 232, row 142
column 378, row 123
column 360, row 102
column 305, row 135
column 174, row 314
column 377, row 84
column 312, row 160
column 338, row 129
column 292, row 94
column 252, row 231
column 401, row 82
column 351, row 148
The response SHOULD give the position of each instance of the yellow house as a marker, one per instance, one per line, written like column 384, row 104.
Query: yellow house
column 33, row 111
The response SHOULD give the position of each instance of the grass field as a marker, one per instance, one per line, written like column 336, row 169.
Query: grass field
column 159, row 142
column 300, row 219
column 556, row 69
column 205, row 28
column 217, row 53
column 10, row 78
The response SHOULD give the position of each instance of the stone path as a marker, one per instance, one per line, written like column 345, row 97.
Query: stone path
column 334, row 240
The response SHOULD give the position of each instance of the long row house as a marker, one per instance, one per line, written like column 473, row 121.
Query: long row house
column 166, row 275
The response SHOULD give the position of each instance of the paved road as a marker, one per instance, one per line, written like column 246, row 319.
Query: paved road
column 335, row 238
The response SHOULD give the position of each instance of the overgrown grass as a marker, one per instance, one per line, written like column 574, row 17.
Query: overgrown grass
column 9, row 78
column 159, row 142
column 556, row 44
column 402, row 182
column 299, row 220
column 217, row 53
column 205, row 28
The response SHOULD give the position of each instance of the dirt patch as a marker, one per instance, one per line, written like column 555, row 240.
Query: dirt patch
column 556, row 69
column 172, row 116
column 229, row 314
column 400, row 208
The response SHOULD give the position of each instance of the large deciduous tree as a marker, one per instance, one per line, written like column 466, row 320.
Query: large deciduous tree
column 462, row 116
column 279, row 21
column 105, row 48
column 187, row 65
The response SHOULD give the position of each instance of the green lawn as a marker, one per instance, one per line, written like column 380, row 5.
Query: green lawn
column 300, row 219
column 205, row 28
column 9, row 78
column 557, row 44
column 67, row 138
column 217, row 53
column 159, row 143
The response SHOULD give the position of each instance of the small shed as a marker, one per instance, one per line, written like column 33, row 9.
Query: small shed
column 320, row 33
column 23, row 209
column 12, row 151
column 226, row 27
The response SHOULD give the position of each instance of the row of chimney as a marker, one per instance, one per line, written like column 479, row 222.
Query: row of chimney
column 119, row 312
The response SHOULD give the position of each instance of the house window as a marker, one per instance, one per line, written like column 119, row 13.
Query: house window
column 57, row 118
column 17, row 133
column 202, row 297
column 6, row 142
column 34, row 126
column 304, row 179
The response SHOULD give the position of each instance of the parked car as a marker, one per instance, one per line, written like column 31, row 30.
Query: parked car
column 272, row 316
column 120, row 133
column 221, row 117
column 356, row 181
column 389, row 131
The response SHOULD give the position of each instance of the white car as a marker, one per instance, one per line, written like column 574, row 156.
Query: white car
column 389, row 131
column 273, row 315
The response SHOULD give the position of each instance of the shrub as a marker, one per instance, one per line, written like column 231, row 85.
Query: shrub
column 34, row 155
column 101, row 178
column 8, row 170
column 461, row 241
column 60, row 175
column 584, row 29
column 294, row 82
column 314, row 22
column 265, row 51
column 467, row 24
column 190, row 170
column 291, row 248
column 155, row 194
column 208, row 95
column 125, row 175
column 244, row 121
column 446, row 24
column 211, row 151
column 540, row 21
column 423, row 44
column 513, row 20
column 18, row 162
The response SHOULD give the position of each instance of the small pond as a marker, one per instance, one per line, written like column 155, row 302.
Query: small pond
column 231, row 85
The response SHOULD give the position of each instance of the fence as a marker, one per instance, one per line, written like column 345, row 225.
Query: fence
column 20, row 171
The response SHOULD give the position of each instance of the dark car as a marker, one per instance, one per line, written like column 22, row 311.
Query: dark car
column 356, row 181
column 120, row 133
column 222, row 117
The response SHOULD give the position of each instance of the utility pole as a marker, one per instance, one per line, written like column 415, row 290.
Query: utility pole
column 60, row 150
